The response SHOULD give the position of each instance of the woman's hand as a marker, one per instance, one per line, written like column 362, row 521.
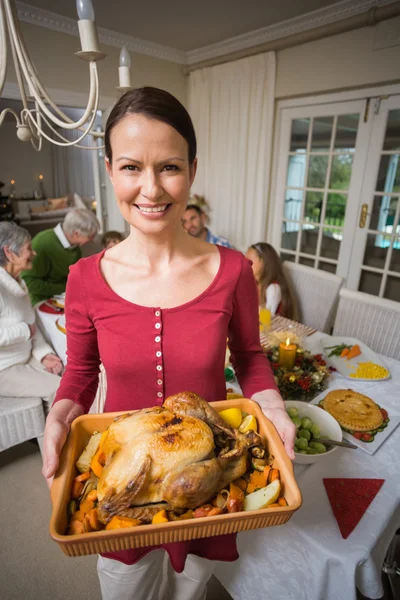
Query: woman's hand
column 52, row 364
column 273, row 407
column 56, row 431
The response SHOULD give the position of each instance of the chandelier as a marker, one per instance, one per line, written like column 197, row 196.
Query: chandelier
column 45, row 118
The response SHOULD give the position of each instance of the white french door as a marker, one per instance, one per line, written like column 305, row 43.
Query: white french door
column 375, row 261
column 337, row 191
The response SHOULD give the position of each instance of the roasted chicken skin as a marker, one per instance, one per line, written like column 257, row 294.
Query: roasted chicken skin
column 169, row 455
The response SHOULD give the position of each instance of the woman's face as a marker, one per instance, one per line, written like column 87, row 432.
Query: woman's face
column 150, row 173
column 258, row 264
column 23, row 260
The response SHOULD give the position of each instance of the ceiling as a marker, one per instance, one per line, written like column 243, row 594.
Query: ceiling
column 187, row 25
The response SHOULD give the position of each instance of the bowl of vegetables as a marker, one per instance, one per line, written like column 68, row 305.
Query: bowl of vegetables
column 312, row 424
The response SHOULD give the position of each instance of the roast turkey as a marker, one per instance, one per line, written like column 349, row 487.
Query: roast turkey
column 176, row 456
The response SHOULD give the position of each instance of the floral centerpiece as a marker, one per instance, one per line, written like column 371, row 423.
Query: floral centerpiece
column 305, row 380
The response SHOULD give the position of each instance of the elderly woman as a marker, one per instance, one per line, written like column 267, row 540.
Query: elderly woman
column 56, row 250
column 28, row 365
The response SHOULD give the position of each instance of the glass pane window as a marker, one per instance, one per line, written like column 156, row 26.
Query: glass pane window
column 293, row 202
column 313, row 206
column 308, row 262
column 309, row 239
column 288, row 257
column 376, row 250
column 321, row 134
column 341, row 171
column 335, row 209
column 296, row 170
column 325, row 266
column 370, row 283
column 395, row 260
column 299, row 135
column 392, row 135
column 392, row 288
column 289, row 236
column 346, row 132
column 317, row 169
column 383, row 213
column 389, row 174
column 330, row 243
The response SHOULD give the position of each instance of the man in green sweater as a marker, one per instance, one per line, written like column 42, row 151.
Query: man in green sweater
column 56, row 250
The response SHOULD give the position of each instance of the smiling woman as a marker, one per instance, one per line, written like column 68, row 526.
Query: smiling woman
column 157, row 310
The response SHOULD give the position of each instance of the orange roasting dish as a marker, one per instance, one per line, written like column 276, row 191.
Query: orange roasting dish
column 171, row 463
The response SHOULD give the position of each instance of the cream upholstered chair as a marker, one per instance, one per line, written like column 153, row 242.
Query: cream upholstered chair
column 21, row 419
column 316, row 293
column 374, row 321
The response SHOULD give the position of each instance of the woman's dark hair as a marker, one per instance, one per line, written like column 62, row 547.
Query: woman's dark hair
column 273, row 273
column 156, row 104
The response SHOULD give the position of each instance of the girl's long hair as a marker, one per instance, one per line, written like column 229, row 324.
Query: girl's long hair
column 273, row 273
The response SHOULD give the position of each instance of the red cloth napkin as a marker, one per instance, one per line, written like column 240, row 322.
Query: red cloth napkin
column 350, row 499
column 53, row 310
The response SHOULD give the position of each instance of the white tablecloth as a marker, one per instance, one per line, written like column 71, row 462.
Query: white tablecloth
column 58, row 339
column 307, row 559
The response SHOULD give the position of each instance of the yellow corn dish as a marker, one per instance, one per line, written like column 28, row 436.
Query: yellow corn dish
column 369, row 370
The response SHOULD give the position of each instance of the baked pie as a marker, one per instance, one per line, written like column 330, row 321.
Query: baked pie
column 352, row 410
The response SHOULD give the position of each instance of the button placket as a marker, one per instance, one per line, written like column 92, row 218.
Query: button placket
column 158, row 326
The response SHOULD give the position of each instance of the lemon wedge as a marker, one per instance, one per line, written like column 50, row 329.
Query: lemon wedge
column 233, row 416
column 249, row 422
column 233, row 396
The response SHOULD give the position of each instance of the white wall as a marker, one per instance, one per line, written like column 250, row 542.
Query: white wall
column 19, row 161
column 346, row 60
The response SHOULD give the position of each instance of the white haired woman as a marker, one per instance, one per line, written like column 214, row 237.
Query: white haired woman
column 28, row 365
column 56, row 250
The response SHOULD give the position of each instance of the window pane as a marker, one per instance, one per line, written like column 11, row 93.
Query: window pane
column 299, row 135
column 324, row 266
column 389, row 174
column 346, row 132
column 296, row 171
column 317, row 171
column 370, row 283
column 335, row 209
column 288, row 257
column 309, row 239
column 306, row 261
column 383, row 213
column 330, row 243
column 392, row 288
column 321, row 134
column 313, row 206
column 341, row 171
column 376, row 250
column 289, row 235
column 395, row 260
column 293, row 202
column 392, row 135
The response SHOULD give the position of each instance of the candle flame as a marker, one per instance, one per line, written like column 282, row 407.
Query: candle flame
column 288, row 342
column 12, row 181
column 40, row 176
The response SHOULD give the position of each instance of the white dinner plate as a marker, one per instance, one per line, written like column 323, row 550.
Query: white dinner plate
column 346, row 367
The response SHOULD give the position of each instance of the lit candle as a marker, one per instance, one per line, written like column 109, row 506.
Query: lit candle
column 287, row 354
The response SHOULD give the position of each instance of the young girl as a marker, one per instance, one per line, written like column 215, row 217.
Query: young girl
column 147, row 308
column 273, row 289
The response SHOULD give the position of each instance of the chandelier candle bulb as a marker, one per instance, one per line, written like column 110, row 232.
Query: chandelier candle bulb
column 124, row 69
column 287, row 355
column 85, row 10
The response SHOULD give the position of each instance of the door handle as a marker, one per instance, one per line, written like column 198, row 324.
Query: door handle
column 363, row 215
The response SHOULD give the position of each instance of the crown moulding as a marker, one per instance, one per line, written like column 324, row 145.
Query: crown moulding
column 318, row 18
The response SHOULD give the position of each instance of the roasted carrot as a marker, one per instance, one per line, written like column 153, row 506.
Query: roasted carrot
column 258, row 479
column 344, row 352
column 83, row 477
column 242, row 483
column 94, row 520
column 274, row 505
column 160, row 517
column 77, row 489
column 92, row 496
column 75, row 527
column 282, row 501
column 122, row 522
column 274, row 474
column 86, row 506
column 353, row 352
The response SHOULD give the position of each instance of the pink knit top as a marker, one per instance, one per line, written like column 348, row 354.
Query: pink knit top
column 152, row 353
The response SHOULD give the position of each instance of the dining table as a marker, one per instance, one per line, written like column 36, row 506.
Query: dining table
column 307, row 558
